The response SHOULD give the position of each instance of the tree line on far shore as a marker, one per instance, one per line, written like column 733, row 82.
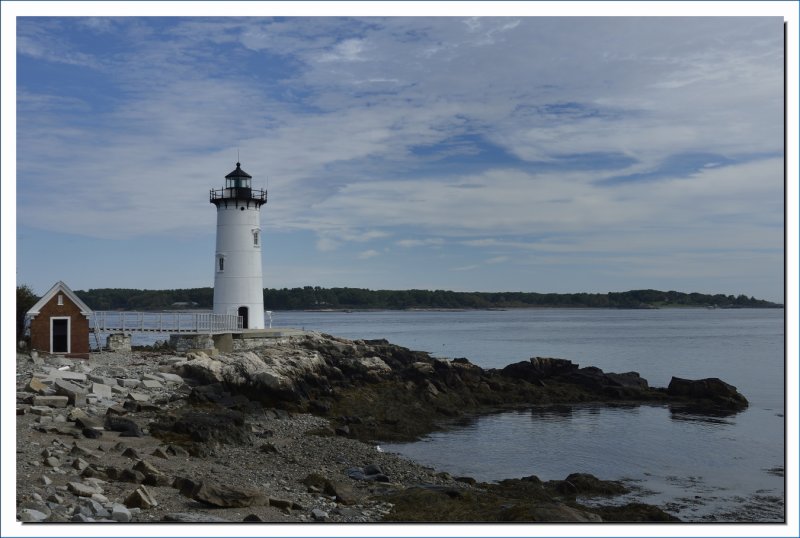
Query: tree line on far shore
column 314, row 297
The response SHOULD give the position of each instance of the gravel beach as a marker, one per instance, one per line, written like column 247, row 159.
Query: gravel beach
column 53, row 452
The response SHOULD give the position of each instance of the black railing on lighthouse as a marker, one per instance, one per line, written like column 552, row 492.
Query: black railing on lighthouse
column 239, row 193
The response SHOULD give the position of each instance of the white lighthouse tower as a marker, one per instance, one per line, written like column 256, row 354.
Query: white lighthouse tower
column 238, row 287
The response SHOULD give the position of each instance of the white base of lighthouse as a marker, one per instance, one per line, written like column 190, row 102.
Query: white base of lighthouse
column 238, row 285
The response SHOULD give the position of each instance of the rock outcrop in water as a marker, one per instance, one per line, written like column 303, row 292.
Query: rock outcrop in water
column 377, row 390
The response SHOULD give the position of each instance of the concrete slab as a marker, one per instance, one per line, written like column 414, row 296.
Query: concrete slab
column 102, row 390
column 51, row 401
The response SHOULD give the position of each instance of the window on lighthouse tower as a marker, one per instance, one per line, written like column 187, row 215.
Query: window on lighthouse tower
column 255, row 238
column 221, row 264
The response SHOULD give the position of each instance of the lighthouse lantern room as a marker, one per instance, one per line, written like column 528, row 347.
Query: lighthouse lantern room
column 238, row 285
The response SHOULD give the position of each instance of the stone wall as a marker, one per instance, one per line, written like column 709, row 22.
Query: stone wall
column 118, row 342
column 192, row 342
column 244, row 344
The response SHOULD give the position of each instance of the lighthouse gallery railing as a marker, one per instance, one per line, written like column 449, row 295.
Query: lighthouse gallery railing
column 166, row 322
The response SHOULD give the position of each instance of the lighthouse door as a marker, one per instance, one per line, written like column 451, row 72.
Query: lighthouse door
column 243, row 313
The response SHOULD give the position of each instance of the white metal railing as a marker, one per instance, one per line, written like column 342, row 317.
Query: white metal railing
column 166, row 322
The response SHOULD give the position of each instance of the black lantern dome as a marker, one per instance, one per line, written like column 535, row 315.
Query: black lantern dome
column 238, row 190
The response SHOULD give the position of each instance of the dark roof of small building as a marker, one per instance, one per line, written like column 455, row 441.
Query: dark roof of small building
column 238, row 172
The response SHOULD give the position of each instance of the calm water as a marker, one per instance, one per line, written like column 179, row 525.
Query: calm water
column 698, row 468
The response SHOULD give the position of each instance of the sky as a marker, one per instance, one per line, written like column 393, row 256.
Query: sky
column 513, row 153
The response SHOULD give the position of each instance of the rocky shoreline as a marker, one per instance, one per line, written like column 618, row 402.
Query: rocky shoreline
column 287, row 432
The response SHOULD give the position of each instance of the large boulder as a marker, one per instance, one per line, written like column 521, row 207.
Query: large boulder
column 225, row 496
column 619, row 386
column 539, row 368
column 711, row 389
column 270, row 375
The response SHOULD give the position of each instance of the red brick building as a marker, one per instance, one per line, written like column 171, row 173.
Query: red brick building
column 60, row 323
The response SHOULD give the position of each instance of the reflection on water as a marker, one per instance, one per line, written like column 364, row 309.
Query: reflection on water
column 692, row 464
column 694, row 417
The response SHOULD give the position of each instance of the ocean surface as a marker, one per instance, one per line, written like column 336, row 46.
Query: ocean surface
column 698, row 468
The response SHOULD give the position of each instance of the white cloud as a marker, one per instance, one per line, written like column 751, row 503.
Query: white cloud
column 498, row 259
column 367, row 254
column 349, row 50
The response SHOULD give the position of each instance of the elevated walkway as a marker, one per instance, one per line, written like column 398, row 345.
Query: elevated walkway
column 164, row 322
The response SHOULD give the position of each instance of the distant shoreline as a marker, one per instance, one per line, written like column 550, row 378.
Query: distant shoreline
column 360, row 299
column 503, row 309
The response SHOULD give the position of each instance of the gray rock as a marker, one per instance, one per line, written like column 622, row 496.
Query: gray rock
column 29, row 515
column 228, row 497
column 131, row 453
column 50, row 401
column 78, row 450
column 343, row 493
column 43, row 410
column 151, row 377
column 75, row 393
column 131, row 475
column 83, row 490
column 126, row 426
column 88, row 422
column 36, row 504
column 120, row 513
column 65, row 375
column 76, row 413
column 99, row 497
column 103, row 380
column 138, row 397
column 129, row 383
column 171, row 378
column 102, row 390
column 93, row 508
column 25, row 397
column 146, row 467
column 319, row 515
column 52, row 461
column 79, row 464
column 152, row 384
column 141, row 498
column 282, row 504
column 116, row 409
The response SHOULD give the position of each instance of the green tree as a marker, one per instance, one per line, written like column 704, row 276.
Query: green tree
column 25, row 300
